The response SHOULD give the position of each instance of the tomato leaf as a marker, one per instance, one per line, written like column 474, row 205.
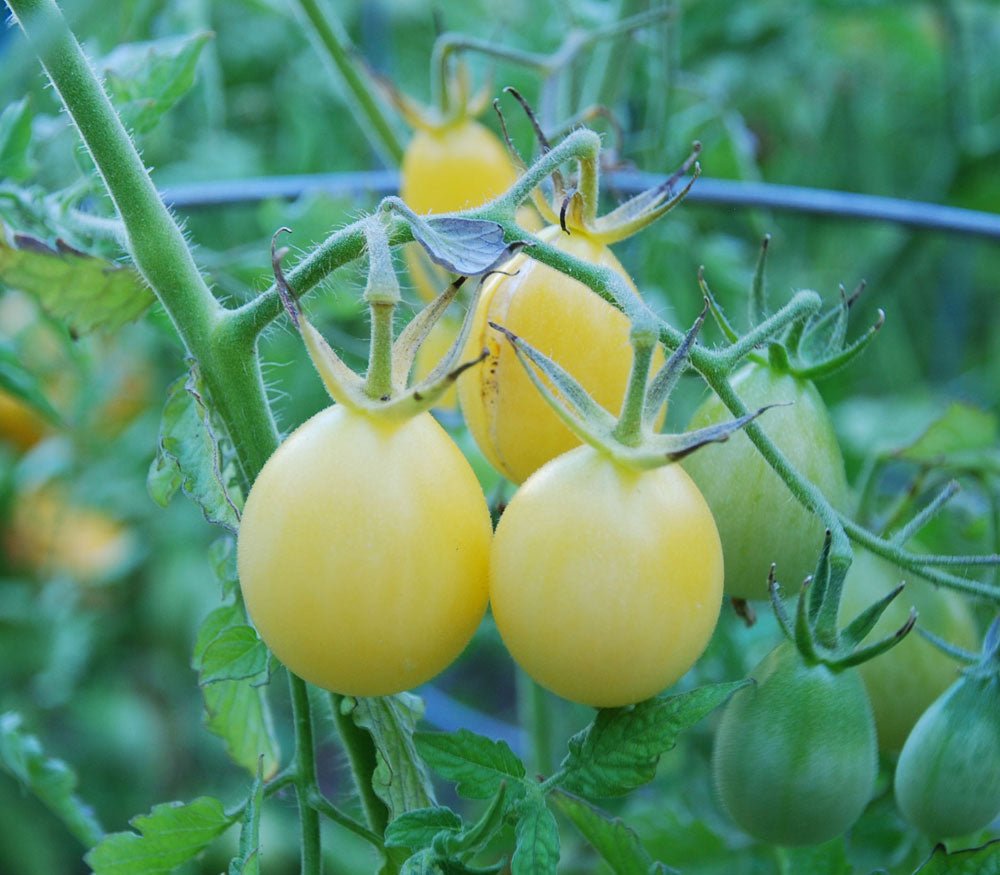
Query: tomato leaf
column 418, row 828
column 974, row 861
column 51, row 780
column 247, row 861
column 537, row 839
column 400, row 779
column 83, row 290
column 829, row 858
column 237, row 653
column 478, row 765
column 15, row 141
column 612, row 838
column 619, row 751
column 962, row 437
column 163, row 479
column 171, row 834
column 146, row 79
column 188, row 436
column 236, row 711
column 463, row 246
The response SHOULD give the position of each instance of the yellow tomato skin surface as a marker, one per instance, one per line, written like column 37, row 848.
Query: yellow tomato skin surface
column 905, row 681
column 512, row 423
column 606, row 582
column 363, row 552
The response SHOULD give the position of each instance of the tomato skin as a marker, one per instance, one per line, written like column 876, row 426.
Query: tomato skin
column 948, row 775
column 903, row 682
column 759, row 520
column 606, row 582
column 795, row 755
column 363, row 552
column 512, row 423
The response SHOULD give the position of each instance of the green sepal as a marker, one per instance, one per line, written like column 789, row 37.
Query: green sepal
column 857, row 630
column 758, row 287
column 406, row 346
column 715, row 308
column 663, row 383
column 848, row 354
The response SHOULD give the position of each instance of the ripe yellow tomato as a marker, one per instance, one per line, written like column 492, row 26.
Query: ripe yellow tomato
column 606, row 581
column 903, row 682
column 512, row 423
column 363, row 552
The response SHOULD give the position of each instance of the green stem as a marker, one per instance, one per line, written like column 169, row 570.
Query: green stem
column 305, row 781
column 534, row 709
column 329, row 34
column 378, row 381
column 361, row 756
column 629, row 427
column 325, row 807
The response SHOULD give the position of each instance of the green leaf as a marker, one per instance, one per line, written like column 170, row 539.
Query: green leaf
column 478, row 765
column 829, row 858
column 400, row 779
column 537, row 839
column 171, row 834
column 17, row 380
column 222, row 556
column 83, row 290
column 51, row 780
column 247, row 861
column 962, row 437
column 235, row 654
column 15, row 141
column 146, row 79
column 619, row 751
column 188, row 436
column 423, row 862
column 463, row 246
column 163, row 479
column 418, row 828
column 236, row 711
column 611, row 837
column 974, row 861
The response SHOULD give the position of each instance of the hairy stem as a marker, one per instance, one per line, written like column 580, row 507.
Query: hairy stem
column 305, row 780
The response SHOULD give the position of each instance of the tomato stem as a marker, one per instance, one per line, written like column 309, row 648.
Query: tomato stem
column 305, row 783
column 629, row 428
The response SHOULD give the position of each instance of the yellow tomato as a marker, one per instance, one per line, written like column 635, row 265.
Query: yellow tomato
column 605, row 581
column 512, row 423
column 904, row 682
column 363, row 552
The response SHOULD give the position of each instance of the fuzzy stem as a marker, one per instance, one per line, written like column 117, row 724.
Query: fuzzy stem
column 629, row 427
column 330, row 36
column 361, row 756
column 535, row 711
column 378, row 381
column 305, row 780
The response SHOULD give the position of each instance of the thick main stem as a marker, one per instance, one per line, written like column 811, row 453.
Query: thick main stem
column 305, row 778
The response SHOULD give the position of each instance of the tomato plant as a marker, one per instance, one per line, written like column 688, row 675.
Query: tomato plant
column 605, row 581
column 363, row 552
column 902, row 683
column 795, row 755
column 759, row 521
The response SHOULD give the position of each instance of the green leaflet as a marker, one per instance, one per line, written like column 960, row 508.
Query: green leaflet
column 171, row 834
column 478, row 765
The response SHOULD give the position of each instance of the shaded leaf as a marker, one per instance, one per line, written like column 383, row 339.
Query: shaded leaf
column 478, row 765
column 974, row 861
column 247, row 860
column 51, row 780
column 188, row 437
column 17, row 380
column 235, row 654
column 611, row 837
column 619, row 751
column 960, row 437
column 463, row 246
column 83, row 290
column 400, row 779
column 163, row 479
column 418, row 828
column 146, row 79
column 537, row 839
column 171, row 834
column 829, row 858
column 15, row 141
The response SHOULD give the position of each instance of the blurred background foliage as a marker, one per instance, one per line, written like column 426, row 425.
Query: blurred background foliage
column 101, row 591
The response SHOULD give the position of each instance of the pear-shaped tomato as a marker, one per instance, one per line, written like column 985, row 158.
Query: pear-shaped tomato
column 795, row 755
column 363, row 552
column 759, row 520
column 510, row 420
column 606, row 581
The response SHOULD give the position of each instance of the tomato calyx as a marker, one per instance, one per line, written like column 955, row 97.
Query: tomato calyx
column 814, row 630
column 384, row 391
column 629, row 438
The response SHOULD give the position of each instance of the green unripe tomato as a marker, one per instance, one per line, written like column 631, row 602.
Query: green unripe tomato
column 759, row 520
column 948, row 775
column 903, row 682
column 795, row 755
